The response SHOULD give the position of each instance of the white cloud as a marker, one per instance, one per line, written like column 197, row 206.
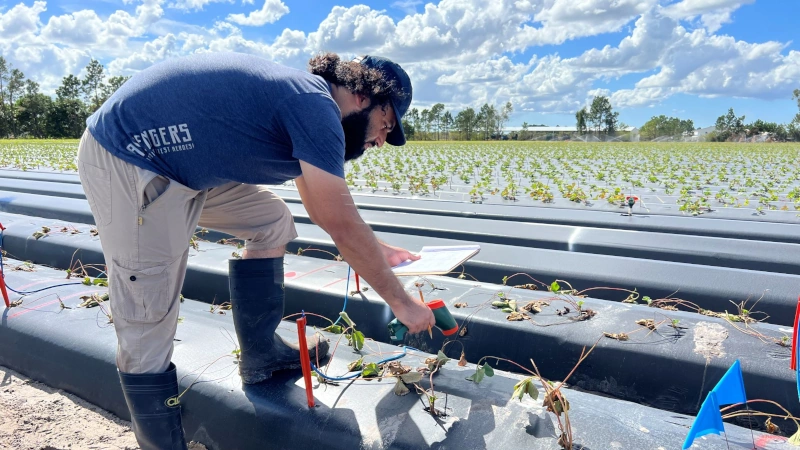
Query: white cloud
column 459, row 52
column 269, row 13
column 713, row 13
column 195, row 5
column 359, row 29
column 21, row 20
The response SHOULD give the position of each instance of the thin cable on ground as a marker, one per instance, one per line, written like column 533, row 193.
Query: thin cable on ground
column 357, row 374
column 2, row 271
column 346, row 293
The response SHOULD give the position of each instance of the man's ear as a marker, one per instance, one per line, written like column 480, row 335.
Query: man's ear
column 362, row 101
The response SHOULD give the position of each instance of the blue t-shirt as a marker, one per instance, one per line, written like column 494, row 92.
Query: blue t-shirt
column 208, row 119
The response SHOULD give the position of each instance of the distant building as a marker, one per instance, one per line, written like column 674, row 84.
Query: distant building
column 700, row 132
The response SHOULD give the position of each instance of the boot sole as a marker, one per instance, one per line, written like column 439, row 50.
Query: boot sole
column 255, row 376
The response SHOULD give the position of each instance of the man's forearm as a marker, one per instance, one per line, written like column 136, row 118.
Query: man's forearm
column 360, row 248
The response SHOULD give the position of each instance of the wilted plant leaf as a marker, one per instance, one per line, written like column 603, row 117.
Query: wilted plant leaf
column 462, row 362
column 400, row 388
column 795, row 439
column 411, row 377
column 477, row 377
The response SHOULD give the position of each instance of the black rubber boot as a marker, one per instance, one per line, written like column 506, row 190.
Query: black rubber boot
column 257, row 297
column 155, row 410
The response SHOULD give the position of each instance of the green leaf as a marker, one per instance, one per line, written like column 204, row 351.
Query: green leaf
column 555, row 287
column 370, row 371
column 346, row 318
column 358, row 340
column 355, row 365
column 335, row 329
column 647, row 299
column 507, row 310
column 531, row 390
column 488, row 369
column 513, row 305
column 519, row 391
column 441, row 358
column 499, row 304
column 100, row 282
column 478, row 375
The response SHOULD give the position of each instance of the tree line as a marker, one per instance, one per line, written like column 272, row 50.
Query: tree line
column 730, row 127
column 438, row 123
column 26, row 112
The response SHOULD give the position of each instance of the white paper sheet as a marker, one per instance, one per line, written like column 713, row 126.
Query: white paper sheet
column 437, row 260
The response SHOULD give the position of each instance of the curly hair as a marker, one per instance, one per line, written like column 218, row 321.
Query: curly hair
column 356, row 77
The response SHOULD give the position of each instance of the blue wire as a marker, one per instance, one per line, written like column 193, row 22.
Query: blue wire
column 357, row 374
column 346, row 293
column 2, row 270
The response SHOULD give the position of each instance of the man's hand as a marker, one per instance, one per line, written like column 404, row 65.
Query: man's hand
column 414, row 315
column 396, row 255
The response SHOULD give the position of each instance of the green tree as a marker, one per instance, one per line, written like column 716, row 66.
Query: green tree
column 581, row 118
column 487, row 117
column 602, row 116
column 465, row 122
column 413, row 117
column 447, row 124
column 5, row 121
column 113, row 84
column 409, row 129
column 796, row 96
column 32, row 111
column 665, row 126
column 14, row 89
column 436, row 118
column 93, row 84
column 425, row 122
column 523, row 135
column 728, row 126
column 70, row 88
column 68, row 114
column 502, row 117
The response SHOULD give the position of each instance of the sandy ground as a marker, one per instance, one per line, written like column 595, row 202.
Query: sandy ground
column 34, row 416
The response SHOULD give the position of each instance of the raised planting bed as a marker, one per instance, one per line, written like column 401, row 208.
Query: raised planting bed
column 711, row 288
column 720, row 252
column 662, row 362
column 744, row 227
column 50, row 338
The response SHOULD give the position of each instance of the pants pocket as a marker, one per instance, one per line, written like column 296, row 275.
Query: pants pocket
column 140, row 295
column 96, row 184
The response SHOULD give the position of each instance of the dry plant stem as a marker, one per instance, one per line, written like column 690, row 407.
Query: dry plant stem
column 309, row 249
column 525, row 274
column 759, row 400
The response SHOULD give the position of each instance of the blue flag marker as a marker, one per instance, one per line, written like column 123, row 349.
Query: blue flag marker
column 708, row 420
column 730, row 388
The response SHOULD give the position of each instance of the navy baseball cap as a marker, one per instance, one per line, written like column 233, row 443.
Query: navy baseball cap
column 400, row 98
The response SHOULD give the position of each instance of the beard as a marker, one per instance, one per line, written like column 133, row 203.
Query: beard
column 355, row 126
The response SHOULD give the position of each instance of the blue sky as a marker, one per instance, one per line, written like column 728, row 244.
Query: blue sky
column 688, row 58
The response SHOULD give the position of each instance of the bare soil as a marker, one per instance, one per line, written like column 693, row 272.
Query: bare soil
column 34, row 416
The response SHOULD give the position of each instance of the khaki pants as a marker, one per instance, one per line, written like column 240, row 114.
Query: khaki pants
column 145, row 223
